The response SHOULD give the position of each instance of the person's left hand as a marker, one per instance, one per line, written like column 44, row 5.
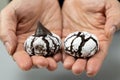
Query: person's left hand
column 100, row 17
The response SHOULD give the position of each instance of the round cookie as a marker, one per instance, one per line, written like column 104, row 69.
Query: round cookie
column 81, row 44
column 42, row 43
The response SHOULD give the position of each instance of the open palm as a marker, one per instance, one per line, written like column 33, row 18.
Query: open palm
column 19, row 20
column 93, row 16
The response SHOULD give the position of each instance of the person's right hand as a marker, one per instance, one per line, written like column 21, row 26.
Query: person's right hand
column 18, row 21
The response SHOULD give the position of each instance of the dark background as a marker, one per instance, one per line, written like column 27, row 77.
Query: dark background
column 61, row 2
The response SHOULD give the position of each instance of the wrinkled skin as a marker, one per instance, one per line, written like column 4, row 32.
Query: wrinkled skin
column 18, row 20
column 100, row 17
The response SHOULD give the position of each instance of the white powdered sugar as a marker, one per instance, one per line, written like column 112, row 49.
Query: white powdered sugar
column 81, row 44
column 43, row 45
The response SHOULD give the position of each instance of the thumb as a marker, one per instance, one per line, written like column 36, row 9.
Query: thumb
column 112, row 17
column 110, row 29
column 8, row 29
column 10, row 41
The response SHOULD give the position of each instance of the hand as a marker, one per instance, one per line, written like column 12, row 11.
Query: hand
column 18, row 21
column 100, row 17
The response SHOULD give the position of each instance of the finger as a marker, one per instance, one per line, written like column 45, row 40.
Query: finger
column 22, row 58
column 94, row 63
column 68, row 62
column 112, row 16
column 52, row 65
column 8, row 29
column 40, row 61
column 79, row 66
column 64, row 57
column 109, row 31
column 58, row 57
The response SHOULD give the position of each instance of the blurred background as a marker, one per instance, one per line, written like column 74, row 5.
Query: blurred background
column 10, row 71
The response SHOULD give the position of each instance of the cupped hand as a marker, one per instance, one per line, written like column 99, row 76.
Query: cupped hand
column 100, row 17
column 18, row 21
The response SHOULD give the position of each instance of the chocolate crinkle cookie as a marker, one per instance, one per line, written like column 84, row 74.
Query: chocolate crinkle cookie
column 42, row 43
column 81, row 44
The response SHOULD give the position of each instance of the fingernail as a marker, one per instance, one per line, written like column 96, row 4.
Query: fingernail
column 113, row 29
column 89, row 75
column 89, row 72
column 8, row 47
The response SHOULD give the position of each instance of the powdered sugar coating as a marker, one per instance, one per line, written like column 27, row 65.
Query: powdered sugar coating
column 81, row 44
column 46, row 45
